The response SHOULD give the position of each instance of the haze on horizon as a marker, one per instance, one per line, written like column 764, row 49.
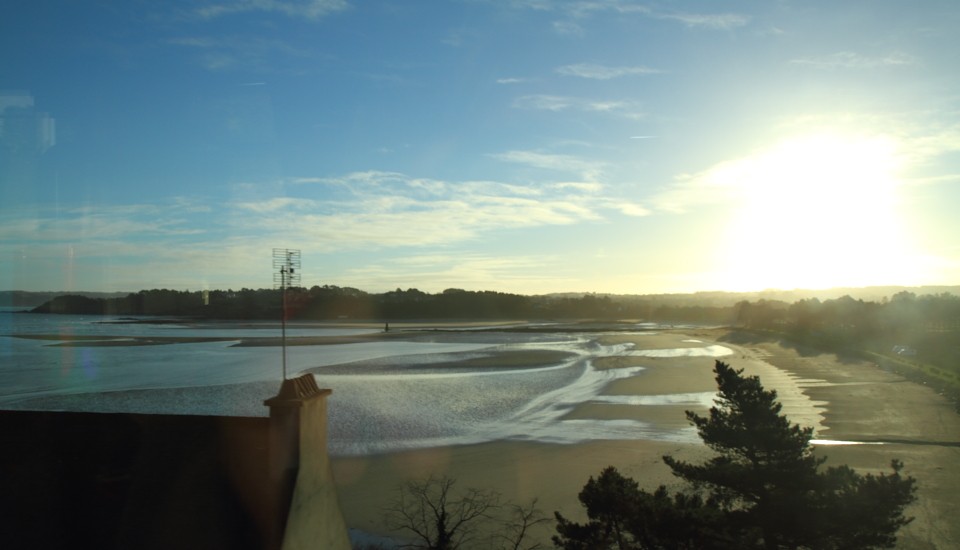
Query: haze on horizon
column 525, row 146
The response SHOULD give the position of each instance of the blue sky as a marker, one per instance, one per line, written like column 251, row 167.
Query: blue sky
column 526, row 146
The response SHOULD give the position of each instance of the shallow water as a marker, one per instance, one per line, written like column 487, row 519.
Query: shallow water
column 386, row 395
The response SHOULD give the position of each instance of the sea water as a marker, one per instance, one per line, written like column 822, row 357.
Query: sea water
column 387, row 395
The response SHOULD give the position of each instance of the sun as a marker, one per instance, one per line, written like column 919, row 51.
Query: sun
column 818, row 210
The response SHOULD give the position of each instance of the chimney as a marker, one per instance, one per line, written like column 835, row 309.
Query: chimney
column 306, row 512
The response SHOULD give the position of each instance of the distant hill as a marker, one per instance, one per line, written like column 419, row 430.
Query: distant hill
column 23, row 298
column 27, row 299
column 720, row 298
column 332, row 302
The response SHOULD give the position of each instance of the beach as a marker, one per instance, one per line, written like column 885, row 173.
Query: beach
column 845, row 400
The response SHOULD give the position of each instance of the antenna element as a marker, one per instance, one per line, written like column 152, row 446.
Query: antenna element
column 286, row 274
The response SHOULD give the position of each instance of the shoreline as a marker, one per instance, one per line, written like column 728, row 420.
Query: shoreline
column 379, row 331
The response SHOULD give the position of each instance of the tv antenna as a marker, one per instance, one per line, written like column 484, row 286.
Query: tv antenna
column 286, row 274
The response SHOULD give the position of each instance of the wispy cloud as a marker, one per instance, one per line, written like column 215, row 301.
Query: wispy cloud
column 587, row 169
column 306, row 9
column 227, row 53
column 575, row 12
column 458, row 37
column 720, row 21
column 383, row 210
column 629, row 208
column 585, row 8
column 582, row 186
column 932, row 141
column 538, row 5
column 105, row 222
column 853, row 60
column 543, row 102
column 715, row 185
column 570, row 28
column 603, row 72
column 512, row 80
column 387, row 210
column 277, row 204
column 187, row 243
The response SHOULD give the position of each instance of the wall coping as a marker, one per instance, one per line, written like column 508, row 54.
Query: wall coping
column 294, row 392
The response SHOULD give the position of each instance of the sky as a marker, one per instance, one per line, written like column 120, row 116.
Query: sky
column 525, row 146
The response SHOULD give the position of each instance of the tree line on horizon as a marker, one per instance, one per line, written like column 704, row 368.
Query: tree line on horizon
column 328, row 302
column 836, row 320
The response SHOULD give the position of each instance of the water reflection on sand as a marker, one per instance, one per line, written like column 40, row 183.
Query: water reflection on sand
column 435, row 389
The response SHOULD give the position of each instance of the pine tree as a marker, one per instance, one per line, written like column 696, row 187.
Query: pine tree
column 763, row 489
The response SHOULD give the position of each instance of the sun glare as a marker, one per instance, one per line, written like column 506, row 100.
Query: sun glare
column 816, row 211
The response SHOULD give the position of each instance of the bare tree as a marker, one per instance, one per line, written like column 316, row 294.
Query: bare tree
column 517, row 527
column 435, row 517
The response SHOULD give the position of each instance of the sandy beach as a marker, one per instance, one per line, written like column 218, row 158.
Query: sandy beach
column 845, row 400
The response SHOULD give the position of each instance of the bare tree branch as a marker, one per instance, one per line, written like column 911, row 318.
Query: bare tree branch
column 517, row 528
column 436, row 517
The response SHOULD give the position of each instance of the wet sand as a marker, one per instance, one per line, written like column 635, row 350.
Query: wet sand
column 865, row 403
column 843, row 400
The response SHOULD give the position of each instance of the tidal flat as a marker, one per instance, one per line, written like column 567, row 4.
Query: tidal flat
column 527, row 411
column 848, row 402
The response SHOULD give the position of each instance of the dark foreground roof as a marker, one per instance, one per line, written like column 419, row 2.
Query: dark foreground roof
column 90, row 480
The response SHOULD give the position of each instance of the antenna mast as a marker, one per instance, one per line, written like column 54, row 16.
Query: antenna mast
column 286, row 274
